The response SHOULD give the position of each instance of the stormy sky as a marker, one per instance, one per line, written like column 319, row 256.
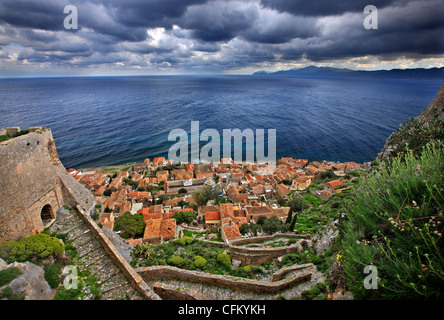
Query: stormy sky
column 216, row 36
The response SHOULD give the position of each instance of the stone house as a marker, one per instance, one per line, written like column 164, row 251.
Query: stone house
column 212, row 218
column 301, row 183
column 333, row 185
column 107, row 220
column 282, row 190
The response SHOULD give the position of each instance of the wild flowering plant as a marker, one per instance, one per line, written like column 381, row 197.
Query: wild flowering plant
column 396, row 224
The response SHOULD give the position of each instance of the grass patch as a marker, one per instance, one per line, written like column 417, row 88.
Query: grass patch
column 313, row 200
column 53, row 273
column 7, row 275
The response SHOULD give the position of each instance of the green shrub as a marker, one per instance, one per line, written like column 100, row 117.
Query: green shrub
column 177, row 261
column 12, row 251
column 200, row 262
column 180, row 241
column 38, row 246
column 52, row 274
column 188, row 240
column 396, row 224
column 130, row 225
column 317, row 292
column 42, row 245
column 184, row 216
column 224, row 259
column 7, row 294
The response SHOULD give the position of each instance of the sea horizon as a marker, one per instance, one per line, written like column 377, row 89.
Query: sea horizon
column 330, row 119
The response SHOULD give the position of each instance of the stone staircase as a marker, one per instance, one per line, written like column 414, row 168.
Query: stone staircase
column 93, row 258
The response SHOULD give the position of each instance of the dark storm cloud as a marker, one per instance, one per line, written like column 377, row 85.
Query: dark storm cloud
column 217, row 34
column 403, row 28
column 33, row 14
column 325, row 7
column 149, row 13
column 219, row 21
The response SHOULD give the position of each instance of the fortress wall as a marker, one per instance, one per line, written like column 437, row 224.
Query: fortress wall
column 159, row 273
column 259, row 255
column 249, row 240
column 32, row 177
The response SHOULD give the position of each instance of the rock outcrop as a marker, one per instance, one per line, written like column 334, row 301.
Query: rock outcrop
column 30, row 283
column 436, row 107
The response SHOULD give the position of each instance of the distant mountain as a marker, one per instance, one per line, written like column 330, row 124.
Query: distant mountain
column 327, row 72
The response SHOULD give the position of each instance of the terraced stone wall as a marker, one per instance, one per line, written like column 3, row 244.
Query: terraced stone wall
column 159, row 273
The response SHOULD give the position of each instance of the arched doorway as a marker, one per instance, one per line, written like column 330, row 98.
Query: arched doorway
column 46, row 214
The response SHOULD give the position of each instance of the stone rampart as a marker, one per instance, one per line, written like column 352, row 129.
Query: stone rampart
column 234, row 283
column 34, row 184
column 257, row 256
column 249, row 240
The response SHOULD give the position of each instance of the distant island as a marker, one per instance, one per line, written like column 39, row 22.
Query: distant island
column 328, row 72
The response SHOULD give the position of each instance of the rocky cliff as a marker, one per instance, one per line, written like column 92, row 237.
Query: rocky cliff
column 427, row 125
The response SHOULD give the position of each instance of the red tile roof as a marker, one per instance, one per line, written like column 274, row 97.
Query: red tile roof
column 335, row 183
column 212, row 215
column 168, row 228
column 152, row 228
column 226, row 209
column 231, row 231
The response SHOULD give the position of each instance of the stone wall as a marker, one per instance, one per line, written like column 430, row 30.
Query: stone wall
column 33, row 177
column 249, row 240
column 259, row 255
column 234, row 283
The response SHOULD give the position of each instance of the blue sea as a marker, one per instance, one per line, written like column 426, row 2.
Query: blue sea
column 98, row 121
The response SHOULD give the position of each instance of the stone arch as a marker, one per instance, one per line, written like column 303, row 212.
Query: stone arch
column 47, row 213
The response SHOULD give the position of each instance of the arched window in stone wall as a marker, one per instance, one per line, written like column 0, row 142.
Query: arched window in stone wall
column 46, row 214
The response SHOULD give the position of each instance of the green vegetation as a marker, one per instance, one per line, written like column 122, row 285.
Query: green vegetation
column 110, row 170
column 130, row 225
column 322, row 261
column 317, row 292
column 206, row 194
column 37, row 246
column 132, row 183
column 7, row 275
column 53, row 273
column 184, row 216
column 86, row 283
column 313, row 200
column 20, row 133
column 177, row 261
column 6, row 293
column 267, row 225
column 396, row 224
column 200, row 262
column 190, row 256
column 414, row 134
column 224, row 259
